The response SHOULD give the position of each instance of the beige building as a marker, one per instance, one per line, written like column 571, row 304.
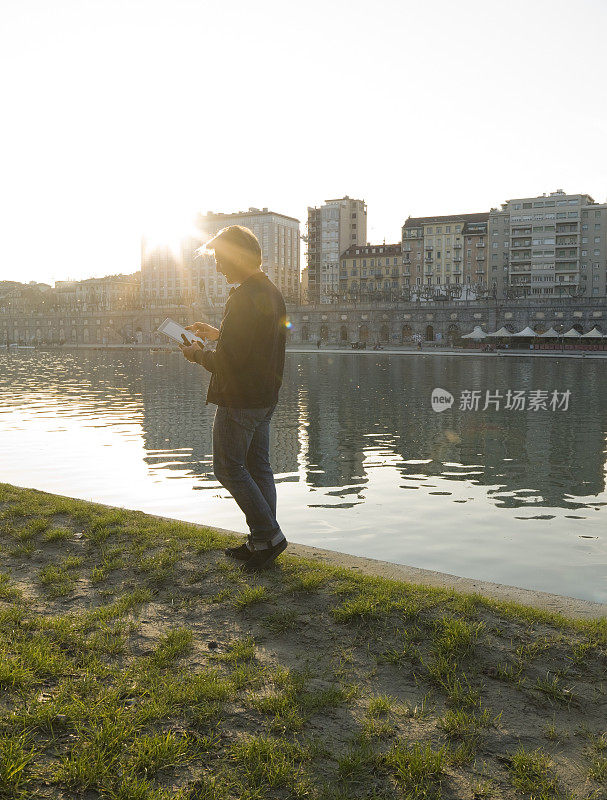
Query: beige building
column 111, row 293
column 369, row 269
column 549, row 245
column 332, row 229
column 172, row 275
column 446, row 250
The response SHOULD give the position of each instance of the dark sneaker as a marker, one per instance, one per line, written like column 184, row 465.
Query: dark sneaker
column 262, row 559
column 241, row 553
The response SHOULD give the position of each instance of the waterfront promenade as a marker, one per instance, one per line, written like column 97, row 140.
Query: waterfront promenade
column 403, row 350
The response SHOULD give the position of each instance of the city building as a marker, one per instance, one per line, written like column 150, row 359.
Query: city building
column 303, row 286
column 172, row 274
column 446, row 250
column 279, row 238
column 332, row 229
column 368, row 269
column 111, row 293
column 551, row 244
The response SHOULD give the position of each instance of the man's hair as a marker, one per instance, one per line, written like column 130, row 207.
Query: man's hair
column 237, row 244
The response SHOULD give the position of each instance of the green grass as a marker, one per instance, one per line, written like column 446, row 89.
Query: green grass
column 417, row 769
column 173, row 676
column 531, row 772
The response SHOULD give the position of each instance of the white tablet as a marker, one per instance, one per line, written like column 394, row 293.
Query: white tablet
column 174, row 331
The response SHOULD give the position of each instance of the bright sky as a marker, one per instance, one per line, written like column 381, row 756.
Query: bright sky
column 121, row 116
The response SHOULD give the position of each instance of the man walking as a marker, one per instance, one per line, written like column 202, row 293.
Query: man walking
column 246, row 373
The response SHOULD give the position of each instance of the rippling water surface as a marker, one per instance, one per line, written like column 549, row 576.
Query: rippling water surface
column 363, row 464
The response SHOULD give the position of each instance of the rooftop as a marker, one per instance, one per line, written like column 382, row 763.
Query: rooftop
column 414, row 222
column 257, row 212
column 372, row 249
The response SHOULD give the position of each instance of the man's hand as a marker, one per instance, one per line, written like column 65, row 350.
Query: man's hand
column 204, row 330
column 189, row 350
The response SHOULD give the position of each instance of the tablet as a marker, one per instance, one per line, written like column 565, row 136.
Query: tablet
column 174, row 331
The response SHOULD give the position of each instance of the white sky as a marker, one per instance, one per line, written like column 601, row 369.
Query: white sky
column 127, row 115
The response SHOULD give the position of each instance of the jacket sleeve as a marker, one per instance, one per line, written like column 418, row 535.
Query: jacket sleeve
column 236, row 338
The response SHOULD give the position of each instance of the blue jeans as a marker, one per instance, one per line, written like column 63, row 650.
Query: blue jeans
column 241, row 463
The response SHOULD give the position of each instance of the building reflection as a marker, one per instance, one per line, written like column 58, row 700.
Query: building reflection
column 340, row 418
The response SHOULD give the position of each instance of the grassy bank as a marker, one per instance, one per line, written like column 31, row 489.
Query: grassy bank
column 136, row 662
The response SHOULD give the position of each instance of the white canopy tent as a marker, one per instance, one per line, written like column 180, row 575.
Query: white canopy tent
column 550, row 333
column 526, row 332
column 593, row 334
column 572, row 334
column 477, row 333
column 502, row 332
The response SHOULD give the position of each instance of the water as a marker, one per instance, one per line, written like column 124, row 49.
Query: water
column 363, row 464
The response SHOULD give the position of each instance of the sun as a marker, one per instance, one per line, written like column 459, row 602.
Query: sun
column 169, row 227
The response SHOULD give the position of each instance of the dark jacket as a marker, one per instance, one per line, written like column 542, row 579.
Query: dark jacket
column 248, row 362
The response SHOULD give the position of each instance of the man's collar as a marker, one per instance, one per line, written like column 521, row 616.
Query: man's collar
column 253, row 275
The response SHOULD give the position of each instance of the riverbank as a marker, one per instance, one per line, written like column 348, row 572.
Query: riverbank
column 432, row 350
column 453, row 351
column 137, row 661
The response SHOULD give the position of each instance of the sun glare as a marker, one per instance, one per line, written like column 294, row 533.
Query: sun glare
column 169, row 227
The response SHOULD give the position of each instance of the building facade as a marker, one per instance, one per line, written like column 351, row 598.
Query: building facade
column 332, row 229
column 366, row 269
column 172, row 274
column 446, row 250
column 549, row 245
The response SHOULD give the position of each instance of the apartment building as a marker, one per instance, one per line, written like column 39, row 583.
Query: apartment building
column 332, row 229
column 279, row 238
column 111, row 292
column 370, row 268
column 446, row 250
column 171, row 275
column 549, row 245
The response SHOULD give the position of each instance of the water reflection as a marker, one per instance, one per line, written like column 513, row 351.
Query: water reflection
column 363, row 463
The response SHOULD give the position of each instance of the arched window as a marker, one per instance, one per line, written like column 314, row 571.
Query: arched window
column 406, row 334
column 429, row 333
column 324, row 333
column 384, row 333
column 305, row 333
column 363, row 333
column 343, row 333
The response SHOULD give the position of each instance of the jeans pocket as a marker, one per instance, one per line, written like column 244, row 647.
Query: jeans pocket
column 248, row 418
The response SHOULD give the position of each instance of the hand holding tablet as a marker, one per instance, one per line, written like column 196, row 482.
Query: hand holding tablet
column 178, row 333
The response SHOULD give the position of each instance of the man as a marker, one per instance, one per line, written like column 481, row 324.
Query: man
column 246, row 373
